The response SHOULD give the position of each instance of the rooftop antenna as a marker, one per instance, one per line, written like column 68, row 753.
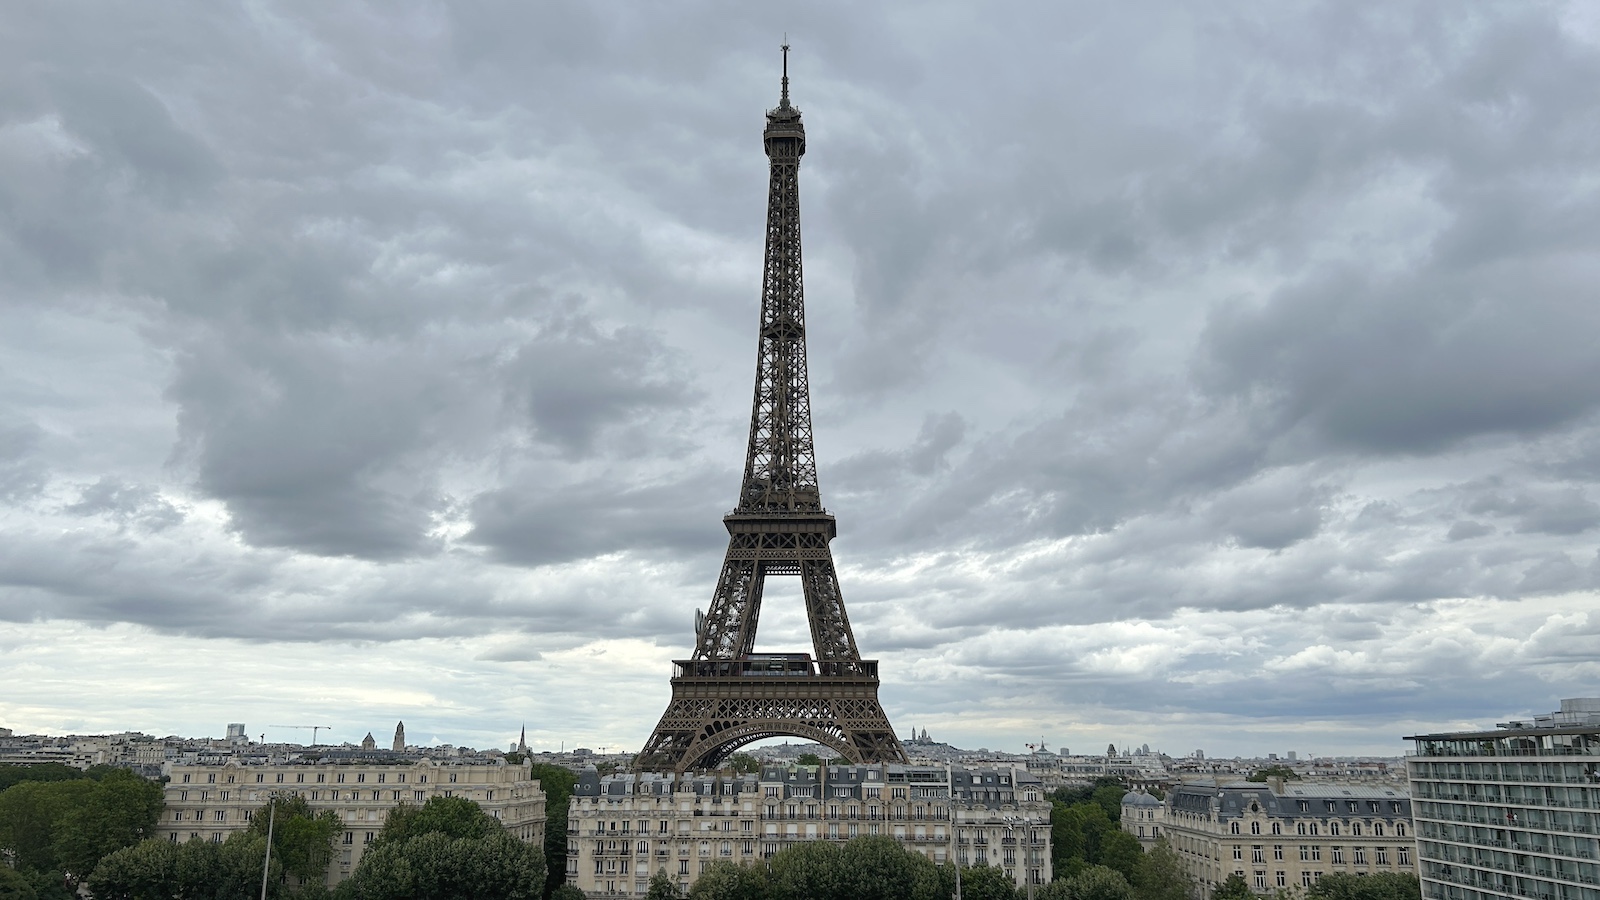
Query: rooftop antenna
column 784, row 100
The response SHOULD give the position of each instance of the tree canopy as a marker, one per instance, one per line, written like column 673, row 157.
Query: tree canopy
column 59, row 829
column 445, row 849
column 557, row 783
column 302, row 838
column 1378, row 886
column 1232, row 888
column 1265, row 772
column 196, row 870
column 1161, row 875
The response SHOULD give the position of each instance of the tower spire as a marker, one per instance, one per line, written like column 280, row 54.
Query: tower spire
column 784, row 100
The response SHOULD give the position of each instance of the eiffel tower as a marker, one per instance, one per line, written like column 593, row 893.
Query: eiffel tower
column 727, row 695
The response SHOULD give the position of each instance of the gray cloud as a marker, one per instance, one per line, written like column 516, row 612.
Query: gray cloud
column 1160, row 358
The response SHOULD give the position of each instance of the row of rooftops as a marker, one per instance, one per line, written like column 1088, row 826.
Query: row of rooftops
column 1289, row 800
column 1577, row 716
column 990, row 787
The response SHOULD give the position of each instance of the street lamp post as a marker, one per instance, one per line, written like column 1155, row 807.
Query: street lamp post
column 266, row 861
column 1011, row 823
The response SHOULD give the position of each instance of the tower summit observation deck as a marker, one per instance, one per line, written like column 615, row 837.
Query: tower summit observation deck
column 727, row 695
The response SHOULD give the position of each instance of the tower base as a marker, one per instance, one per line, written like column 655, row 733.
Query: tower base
column 719, row 706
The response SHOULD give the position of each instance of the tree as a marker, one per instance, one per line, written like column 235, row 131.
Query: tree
column 878, row 868
column 986, row 883
column 726, row 880
column 568, row 892
column 809, row 759
column 1076, row 835
column 744, row 763
column 1110, row 799
column 806, row 871
column 1232, row 888
column 557, row 783
column 444, row 849
column 302, row 838
column 1161, row 875
column 119, row 811
column 31, row 814
column 1380, row 886
column 197, row 870
column 1121, row 851
column 12, row 774
column 1092, row 883
column 661, row 887
column 15, row 887
column 1262, row 774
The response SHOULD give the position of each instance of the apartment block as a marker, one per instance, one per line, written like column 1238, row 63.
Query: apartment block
column 1513, row 812
column 622, row 829
column 205, row 802
column 1282, row 834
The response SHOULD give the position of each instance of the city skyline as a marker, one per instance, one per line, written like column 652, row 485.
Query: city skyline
column 1211, row 378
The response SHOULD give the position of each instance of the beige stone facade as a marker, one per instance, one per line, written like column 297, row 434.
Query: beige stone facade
column 622, row 829
column 210, row 802
column 1284, row 834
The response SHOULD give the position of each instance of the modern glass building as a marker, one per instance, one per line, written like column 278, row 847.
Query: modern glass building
column 1513, row 812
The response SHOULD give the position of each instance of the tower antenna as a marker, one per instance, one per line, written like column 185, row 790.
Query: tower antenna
column 784, row 100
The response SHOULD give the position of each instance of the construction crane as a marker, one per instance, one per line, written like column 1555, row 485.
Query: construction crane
column 314, row 730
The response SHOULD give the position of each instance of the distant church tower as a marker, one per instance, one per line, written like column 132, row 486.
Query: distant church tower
column 522, row 742
column 399, row 737
column 367, row 743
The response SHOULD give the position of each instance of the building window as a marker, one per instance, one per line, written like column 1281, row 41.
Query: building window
column 1305, row 805
column 1277, row 828
column 683, row 866
column 1238, row 852
column 1338, row 855
column 1305, row 879
column 1261, row 880
column 340, row 778
column 260, row 777
column 1255, row 827
column 349, row 838
column 1333, row 828
column 1316, row 853
column 1277, row 851
column 1283, row 878
column 1405, row 856
column 1377, row 829
column 1256, row 855
column 1400, row 829
column 1233, row 827
column 1305, row 853
column 1361, row 856
column 1383, row 856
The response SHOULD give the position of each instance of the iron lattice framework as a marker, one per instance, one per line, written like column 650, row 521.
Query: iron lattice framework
column 727, row 696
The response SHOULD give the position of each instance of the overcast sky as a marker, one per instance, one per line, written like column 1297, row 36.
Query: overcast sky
column 1214, row 376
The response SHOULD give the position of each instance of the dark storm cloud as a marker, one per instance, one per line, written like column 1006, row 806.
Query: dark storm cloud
column 537, row 524
column 573, row 379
